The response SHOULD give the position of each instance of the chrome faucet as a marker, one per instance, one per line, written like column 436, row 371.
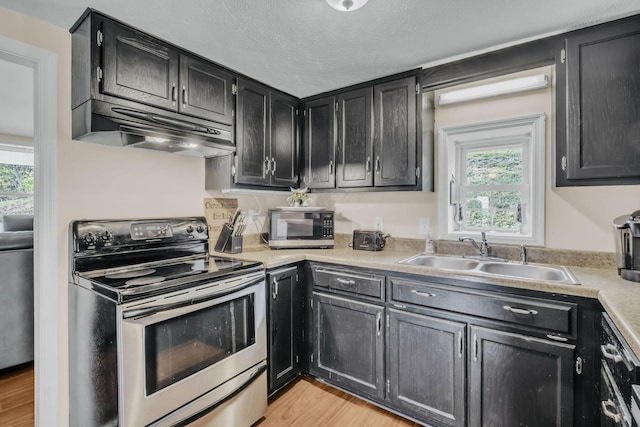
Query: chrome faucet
column 483, row 248
column 523, row 254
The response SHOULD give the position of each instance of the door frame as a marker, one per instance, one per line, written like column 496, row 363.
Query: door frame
column 46, row 286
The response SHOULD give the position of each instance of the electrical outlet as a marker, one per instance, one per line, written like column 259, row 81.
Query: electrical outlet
column 424, row 225
column 378, row 223
column 251, row 216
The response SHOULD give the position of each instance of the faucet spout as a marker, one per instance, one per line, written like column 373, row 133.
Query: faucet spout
column 482, row 248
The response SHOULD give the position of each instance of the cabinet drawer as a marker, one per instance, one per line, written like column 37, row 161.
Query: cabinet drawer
column 349, row 281
column 538, row 313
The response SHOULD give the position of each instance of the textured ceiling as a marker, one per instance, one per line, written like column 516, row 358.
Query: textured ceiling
column 305, row 47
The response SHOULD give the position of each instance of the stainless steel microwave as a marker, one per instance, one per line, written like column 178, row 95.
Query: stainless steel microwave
column 301, row 228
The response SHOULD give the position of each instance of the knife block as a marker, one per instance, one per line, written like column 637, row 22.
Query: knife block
column 227, row 242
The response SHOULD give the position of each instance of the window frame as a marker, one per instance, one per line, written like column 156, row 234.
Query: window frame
column 528, row 131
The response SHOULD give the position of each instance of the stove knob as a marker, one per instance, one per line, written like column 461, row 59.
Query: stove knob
column 107, row 235
column 200, row 228
column 90, row 238
column 189, row 229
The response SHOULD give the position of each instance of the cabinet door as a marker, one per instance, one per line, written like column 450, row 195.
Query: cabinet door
column 284, row 327
column 603, row 112
column 348, row 347
column 395, row 133
column 355, row 143
column 284, row 141
column 319, row 155
column 517, row 380
column 252, row 135
column 205, row 90
column 427, row 367
column 138, row 67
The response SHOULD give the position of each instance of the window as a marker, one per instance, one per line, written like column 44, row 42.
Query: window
column 492, row 174
column 16, row 179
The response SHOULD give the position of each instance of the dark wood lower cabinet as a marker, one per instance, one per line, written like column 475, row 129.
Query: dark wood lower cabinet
column 516, row 380
column 427, row 367
column 348, row 347
column 285, row 327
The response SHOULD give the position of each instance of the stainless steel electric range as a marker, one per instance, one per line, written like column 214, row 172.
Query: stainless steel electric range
column 160, row 333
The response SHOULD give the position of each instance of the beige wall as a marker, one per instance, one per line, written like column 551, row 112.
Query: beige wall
column 96, row 181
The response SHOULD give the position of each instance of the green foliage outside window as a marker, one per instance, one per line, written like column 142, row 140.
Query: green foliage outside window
column 16, row 189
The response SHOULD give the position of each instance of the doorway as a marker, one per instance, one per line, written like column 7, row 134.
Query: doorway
column 46, row 269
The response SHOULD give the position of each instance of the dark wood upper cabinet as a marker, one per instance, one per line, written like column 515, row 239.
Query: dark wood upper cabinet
column 205, row 90
column 252, row 134
column 395, row 133
column 355, row 142
column 284, row 140
column 602, row 108
column 518, row 380
column 320, row 143
column 138, row 67
column 266, row 136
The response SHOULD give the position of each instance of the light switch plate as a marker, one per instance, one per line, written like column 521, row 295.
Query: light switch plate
column 378, row 223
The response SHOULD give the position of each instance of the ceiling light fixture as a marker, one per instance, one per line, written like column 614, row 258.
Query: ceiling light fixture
column 495, row 89
column 346, row 5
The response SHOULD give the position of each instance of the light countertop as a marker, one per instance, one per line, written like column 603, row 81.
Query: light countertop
column 619, row 297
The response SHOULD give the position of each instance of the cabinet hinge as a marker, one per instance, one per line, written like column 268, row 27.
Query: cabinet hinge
column 418, row 88
column 233, row 113
column 99, row 74
column 418, row 172
column 234, row 89
column 99, row 38
column 563, row 56
column 336, row 106
column 564, row 163
column 388, row 386
column 579, row 365
column 304, row 113
column 297, row 113
column 311, row 357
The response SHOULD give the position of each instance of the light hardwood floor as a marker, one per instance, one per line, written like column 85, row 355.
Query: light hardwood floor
column 306, row 402
column 16, row 396
column 310, row 403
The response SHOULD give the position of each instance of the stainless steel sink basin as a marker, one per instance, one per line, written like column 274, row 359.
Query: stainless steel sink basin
column 528, row 271
column 489, row 267
column 447, row 263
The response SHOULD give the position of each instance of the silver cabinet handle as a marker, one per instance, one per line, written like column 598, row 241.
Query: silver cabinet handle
column 520, row 310
column 379, row 323
column 274, row 291
column 330, row 167
column 345, row 281
column 267, row 165
column 422, row 294
column 273, row 166
column 184, row 97
column 459, row 345
column 614, row 415
column 377, row 164
column 174, row 93
column 609, row 351
column 368, row 164
column 475, row 347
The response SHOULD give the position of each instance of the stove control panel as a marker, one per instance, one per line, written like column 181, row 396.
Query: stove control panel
column 151, row 230
column 110, row 236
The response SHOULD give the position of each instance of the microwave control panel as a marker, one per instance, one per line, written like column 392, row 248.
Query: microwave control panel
column 327, row 226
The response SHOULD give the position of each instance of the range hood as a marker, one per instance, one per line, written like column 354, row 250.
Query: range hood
column 106, row 123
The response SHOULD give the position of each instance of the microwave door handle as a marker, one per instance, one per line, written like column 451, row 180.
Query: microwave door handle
column 140, row 313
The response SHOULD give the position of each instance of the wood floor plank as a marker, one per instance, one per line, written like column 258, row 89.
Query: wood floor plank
column 17, row 396
column 310, row 403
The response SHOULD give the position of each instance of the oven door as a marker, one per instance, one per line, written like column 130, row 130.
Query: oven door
column 190, row 349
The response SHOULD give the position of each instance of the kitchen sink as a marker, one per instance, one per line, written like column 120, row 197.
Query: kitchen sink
column 490, row 267
column 447, row 263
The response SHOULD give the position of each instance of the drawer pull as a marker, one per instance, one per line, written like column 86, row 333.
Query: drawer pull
column 523, row 311
column 613, row 414
column 379, row 323
column 422, row 294
column 610, row 352
column 459, row 345
column 345, row 281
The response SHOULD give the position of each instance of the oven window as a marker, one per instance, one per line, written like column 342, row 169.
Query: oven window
column 182, row 346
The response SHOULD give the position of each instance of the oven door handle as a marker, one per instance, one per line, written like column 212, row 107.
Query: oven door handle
column 254, row 376
column 139, row 313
